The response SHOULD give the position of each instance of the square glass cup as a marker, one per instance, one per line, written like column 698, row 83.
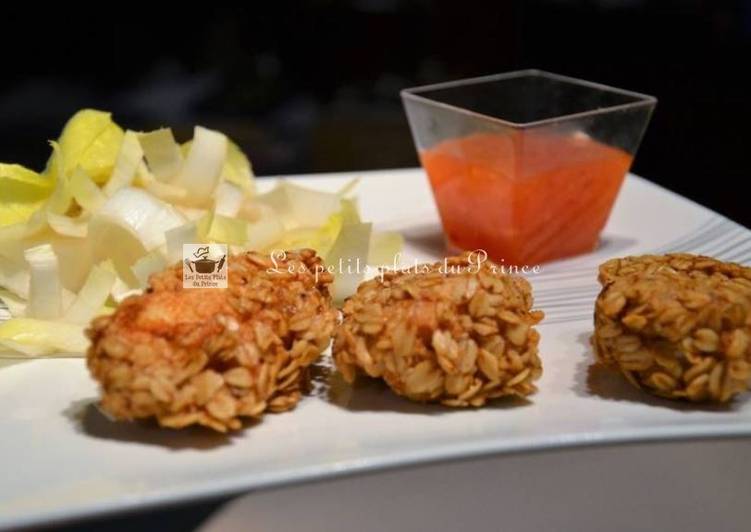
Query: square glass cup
column 525, row 165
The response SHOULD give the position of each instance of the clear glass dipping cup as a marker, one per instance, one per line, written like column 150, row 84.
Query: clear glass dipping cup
column 525, row 165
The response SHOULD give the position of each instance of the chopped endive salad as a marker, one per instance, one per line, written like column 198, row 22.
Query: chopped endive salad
column 113, row 206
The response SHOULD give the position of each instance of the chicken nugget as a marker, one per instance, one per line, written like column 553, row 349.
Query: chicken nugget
column 677, row 325
column 211, row 356
column 455, row 332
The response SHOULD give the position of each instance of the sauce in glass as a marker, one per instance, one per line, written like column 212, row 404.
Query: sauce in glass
column 525, row 197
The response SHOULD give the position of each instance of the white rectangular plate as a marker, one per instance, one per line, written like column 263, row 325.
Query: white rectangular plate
column 62, row 459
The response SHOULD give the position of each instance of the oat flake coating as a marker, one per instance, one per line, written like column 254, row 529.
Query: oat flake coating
column 677, row 325
column 459, row 338
column 212, row 356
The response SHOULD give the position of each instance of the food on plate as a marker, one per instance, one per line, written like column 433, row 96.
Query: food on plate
column 459, row 332
column 525, row 197
column 677, row 325
column 212, row 356
column 113, row 206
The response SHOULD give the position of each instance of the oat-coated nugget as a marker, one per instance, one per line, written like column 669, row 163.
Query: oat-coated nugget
column 677, row 325
column 459, row 335
column 210, row 356
column 679, row 262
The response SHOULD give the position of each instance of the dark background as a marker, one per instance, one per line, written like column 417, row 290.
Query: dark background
column 313, row 86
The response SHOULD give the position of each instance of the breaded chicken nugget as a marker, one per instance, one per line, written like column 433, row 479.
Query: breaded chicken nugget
column 453, row 332
column 677, row 326
column 210, row 356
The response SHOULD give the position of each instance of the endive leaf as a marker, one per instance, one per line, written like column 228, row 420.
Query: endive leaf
column 91, row 140
column 29, row 337
column 162, row 153
column 236, row 169
column 148, row 264
column 177, row 237
column 222, row 229
column 129, row 156
column 22, row 191
column 92, row 296
column 145, row 216
column 349, row 258
column 86, row 193
column 16, row 305
column 384, row 248
column 200, row 173
column 45, row 289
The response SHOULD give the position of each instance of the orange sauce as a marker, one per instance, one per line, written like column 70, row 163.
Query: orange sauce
column 525, row 197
